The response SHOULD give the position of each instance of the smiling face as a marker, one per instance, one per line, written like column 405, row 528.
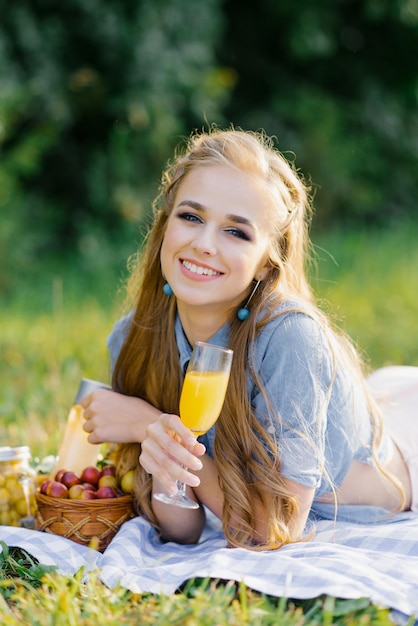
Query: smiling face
column 216, row 241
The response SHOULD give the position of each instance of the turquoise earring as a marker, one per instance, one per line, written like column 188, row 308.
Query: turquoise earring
column 167, row 290
column 244, row 312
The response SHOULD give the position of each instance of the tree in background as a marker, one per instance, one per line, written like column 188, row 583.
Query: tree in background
column 337, row 82
column 94, row 95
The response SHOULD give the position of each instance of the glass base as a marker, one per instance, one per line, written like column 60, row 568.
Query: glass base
column 178, row 500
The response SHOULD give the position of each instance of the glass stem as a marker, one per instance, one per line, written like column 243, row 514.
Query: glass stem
column 181, row 488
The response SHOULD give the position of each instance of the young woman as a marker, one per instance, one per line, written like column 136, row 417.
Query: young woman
column 299, row 432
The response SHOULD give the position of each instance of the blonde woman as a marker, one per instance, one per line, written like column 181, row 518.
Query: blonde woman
column 225, row 262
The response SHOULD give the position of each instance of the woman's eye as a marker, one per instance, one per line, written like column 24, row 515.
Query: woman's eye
column 190, row 217
column 236, row 232
column 194, row 218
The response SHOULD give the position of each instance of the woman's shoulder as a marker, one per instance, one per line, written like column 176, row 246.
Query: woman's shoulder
column 293, row 327
column 289, row 315
column 123, row 324
column 118, row 335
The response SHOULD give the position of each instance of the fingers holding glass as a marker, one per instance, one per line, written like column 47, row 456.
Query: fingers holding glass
column 165, row 455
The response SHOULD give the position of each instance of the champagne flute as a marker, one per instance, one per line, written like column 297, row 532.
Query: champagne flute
column 201, row 401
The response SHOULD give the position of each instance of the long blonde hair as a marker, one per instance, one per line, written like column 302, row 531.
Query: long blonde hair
column 148, row 367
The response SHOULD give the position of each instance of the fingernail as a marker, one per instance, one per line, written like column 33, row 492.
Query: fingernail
column 197, row 464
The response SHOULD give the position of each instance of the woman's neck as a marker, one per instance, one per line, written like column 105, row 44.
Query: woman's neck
column 200, row 325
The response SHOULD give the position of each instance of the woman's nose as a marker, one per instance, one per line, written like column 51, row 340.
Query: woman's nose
column 205, row 242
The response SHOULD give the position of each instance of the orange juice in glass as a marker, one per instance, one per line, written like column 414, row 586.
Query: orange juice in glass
column 201, row 401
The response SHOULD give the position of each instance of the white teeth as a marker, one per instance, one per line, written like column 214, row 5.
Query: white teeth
column 199, row 270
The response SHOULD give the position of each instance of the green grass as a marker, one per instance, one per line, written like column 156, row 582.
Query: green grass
column 52, row 332
column 370, row 282
column 43, row 357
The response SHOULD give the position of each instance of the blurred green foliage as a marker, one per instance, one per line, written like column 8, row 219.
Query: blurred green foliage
column 337, row 82
column 95, row 94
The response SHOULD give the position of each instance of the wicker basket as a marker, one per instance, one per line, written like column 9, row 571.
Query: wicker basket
column 87, row 522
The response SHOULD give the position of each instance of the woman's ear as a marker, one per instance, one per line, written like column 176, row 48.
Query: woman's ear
column 263, row 273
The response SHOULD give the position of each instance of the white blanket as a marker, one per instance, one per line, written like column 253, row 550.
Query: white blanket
column 344, row 560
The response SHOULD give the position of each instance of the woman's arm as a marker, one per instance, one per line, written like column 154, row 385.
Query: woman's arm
column 305, row 496
column 170, row 453
column 112, row 417
column 210, row 494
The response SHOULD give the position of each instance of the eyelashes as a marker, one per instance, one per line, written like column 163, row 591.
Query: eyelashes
column 232, row 230
column 236, row 232
column 190, row 217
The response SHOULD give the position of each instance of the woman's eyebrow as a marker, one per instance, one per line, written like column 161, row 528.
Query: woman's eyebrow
column 238, row 219
column 193, row 204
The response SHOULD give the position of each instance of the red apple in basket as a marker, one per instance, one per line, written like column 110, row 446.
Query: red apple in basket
column 105, row 492
column 75, row 492
column 87, row 494
column 89, row 487
column 56, row 490
column 90, row 475
column 108, row 470
column 44, row 487
column 60, row 474
column 70, row 478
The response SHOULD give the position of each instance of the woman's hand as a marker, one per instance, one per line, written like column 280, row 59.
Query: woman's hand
column 169, row 451
column 112, row 417
column 167, row 446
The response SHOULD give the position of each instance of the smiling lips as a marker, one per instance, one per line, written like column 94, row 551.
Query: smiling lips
column 199, row 270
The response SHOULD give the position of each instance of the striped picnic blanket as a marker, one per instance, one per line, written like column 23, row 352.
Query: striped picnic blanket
column 378, row 561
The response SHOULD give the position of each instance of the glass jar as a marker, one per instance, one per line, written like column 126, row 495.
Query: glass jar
column 17, row 488
column 76, row 452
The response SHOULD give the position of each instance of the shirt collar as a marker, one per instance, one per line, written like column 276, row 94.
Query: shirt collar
column 220, row 338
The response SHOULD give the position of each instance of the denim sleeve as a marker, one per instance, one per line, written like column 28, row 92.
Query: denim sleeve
column 295, row 368
column 117, row 337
